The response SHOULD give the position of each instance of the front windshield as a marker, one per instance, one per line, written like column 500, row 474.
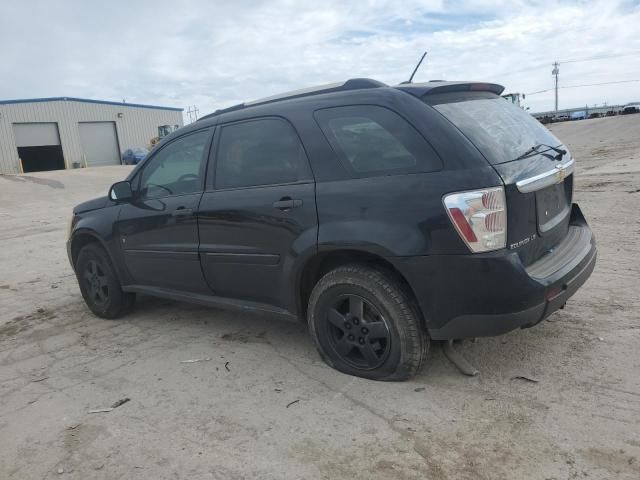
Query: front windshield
column 500, row 130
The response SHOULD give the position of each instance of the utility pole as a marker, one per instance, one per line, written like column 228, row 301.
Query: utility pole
column 193, row 113
column 555, row 72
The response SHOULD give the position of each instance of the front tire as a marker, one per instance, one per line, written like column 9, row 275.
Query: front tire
column 99, row 284
column 365, row 323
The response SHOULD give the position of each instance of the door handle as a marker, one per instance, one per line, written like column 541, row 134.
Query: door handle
column 286, row 203
column 182, row 212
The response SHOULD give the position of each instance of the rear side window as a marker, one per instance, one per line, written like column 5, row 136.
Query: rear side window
column 259, row 152
column 374, row 140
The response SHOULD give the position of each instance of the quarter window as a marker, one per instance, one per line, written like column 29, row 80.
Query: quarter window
column 176, row 169
column 376, row 141
column 259, row 152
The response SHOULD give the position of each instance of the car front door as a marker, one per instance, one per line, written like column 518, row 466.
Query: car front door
column 258, row 214
column 158, row 229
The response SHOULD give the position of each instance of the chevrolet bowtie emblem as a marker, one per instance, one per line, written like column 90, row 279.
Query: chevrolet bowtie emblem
column 560, row 174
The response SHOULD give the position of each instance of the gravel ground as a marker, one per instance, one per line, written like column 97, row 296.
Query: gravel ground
column 263, row 405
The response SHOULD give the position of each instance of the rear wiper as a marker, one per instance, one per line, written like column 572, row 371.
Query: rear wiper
column 560, row 151
column 535, row 149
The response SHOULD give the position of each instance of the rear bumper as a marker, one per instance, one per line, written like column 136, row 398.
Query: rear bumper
column 465, row 296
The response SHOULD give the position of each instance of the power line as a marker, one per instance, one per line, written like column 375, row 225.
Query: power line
column 528, row 69
column 600, row 57
column 575, row 60
column 556, row 70
column 585, row 85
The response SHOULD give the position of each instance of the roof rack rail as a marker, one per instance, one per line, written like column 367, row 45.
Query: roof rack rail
column 351, row 84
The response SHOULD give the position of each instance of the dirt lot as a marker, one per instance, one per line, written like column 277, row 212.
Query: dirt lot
column 581, row 419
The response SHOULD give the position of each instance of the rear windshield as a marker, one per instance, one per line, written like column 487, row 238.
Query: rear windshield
column 500, row 130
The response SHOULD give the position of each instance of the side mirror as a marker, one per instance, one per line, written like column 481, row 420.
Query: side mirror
column 121, row 191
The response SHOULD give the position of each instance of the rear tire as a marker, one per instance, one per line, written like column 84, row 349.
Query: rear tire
column 365, row 323
column 99, row 284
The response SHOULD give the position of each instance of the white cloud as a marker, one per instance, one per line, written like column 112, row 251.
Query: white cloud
column 215, row 54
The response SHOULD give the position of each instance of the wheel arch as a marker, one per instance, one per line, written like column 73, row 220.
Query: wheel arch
column 324, row 261
column 83, row 237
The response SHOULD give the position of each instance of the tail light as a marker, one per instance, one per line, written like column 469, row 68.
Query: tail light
column 480, row 217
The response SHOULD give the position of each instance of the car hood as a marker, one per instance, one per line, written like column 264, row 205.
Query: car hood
column 93, row 204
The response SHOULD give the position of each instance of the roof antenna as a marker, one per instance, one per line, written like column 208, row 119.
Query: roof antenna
column 416, row 69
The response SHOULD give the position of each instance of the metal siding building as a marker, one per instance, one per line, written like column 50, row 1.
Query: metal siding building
column 89, row 132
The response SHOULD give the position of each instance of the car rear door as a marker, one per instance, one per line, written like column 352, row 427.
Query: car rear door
column 258, row 214
column 158, row 230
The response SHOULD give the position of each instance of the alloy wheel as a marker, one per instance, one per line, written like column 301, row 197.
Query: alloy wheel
column 96, row 281
column 358, row 332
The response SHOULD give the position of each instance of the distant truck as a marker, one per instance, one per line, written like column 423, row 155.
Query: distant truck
column 163, row 131
column 514, row 98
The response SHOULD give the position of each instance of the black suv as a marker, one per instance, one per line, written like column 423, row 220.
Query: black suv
column 382, row 215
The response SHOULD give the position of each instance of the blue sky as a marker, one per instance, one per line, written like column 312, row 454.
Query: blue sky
column 214, row 54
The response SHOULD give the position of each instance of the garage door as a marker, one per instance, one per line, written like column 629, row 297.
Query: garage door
column 36, row 134
column 39, row 146
column 99, row 143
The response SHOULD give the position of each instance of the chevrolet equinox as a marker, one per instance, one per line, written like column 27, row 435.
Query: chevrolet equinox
column 384, row 216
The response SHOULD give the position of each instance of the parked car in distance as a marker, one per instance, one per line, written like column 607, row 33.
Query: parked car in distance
column 383, row 216
column 133, row 156
column 580, row 115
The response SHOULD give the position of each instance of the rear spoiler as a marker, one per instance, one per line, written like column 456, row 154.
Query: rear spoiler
column 421, row 89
